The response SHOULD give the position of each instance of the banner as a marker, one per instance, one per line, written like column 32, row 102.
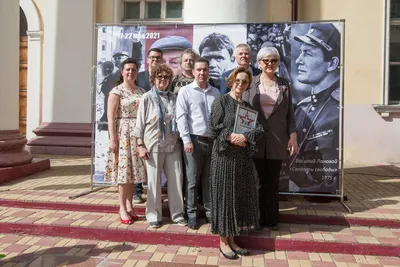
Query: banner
column 310, row 60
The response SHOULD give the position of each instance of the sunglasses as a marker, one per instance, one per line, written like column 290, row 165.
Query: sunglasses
column 243, row 82
column 161, row 77
column 269, row 61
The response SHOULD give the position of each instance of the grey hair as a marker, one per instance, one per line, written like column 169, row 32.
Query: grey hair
column 267, row 51
column 189, row 51
column 242, row 46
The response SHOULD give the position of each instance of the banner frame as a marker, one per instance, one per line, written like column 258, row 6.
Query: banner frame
column 340, row 191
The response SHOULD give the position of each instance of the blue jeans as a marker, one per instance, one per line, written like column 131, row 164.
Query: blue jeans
column 197, row 165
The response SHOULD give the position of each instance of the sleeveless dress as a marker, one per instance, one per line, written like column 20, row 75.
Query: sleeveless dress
column 128, row 167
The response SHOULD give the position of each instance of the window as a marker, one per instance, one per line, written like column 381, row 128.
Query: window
column 394, row 53
column 153, row 10
column 103, row 45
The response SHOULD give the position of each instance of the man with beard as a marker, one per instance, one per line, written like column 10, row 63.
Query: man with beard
column 314, row 168
column 109, row 83
column 186, row 77
column 218, row 49
column 242, row 56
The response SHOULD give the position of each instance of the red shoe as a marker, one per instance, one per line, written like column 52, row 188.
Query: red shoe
column 129, row 221
column 133, row 216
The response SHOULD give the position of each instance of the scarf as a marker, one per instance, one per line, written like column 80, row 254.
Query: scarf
column 162, row 110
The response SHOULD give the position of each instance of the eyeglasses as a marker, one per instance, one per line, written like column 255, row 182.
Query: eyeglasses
column 270, row 61
column 158, row 58
column 161, row 77
column 242, row 82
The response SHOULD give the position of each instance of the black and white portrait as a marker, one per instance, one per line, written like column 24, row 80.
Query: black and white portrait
column 315, row 73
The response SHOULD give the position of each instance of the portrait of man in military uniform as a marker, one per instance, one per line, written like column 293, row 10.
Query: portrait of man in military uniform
column 314, row 168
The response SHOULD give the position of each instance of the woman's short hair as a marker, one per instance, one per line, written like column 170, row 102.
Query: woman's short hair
column 129, row 60
column 232, row 77
column 158, row 70
column 268, row 51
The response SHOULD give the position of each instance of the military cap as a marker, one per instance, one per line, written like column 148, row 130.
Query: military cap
column 171, row 43
column 121, row 54
column 324, row 35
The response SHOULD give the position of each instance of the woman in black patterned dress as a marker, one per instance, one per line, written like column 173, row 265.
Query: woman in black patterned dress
column 234, row 203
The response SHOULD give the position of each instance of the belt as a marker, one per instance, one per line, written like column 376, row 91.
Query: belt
column 201, row 138
column 125, row 118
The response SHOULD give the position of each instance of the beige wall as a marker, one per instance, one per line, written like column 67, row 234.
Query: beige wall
column 40, row 6
column 364, row 35
column 104, row 11
column 279, row 10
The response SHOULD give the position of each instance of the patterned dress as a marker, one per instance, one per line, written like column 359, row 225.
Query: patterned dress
column 234, row 202
column 128, row 167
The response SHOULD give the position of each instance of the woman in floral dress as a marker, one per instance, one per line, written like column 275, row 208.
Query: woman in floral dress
column 123, row 166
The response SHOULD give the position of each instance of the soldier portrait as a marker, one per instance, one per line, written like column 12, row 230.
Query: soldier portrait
column 314, row 168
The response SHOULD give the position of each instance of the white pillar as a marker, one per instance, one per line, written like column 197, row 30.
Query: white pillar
column 225, row 11
column 9, row 74
column 34, row 100
column 67, row 61
column 12, row 143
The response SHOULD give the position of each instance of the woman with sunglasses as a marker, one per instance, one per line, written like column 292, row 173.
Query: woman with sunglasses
column 234, row 203
column 270, row 95
column 158, row 145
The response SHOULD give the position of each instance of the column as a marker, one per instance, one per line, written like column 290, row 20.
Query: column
column 226, row 11
column 67, row 78
column 12, row 143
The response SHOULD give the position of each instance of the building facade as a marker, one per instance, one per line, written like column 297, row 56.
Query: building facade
column 60, row 63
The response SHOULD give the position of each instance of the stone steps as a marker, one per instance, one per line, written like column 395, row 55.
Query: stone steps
column 105, row 226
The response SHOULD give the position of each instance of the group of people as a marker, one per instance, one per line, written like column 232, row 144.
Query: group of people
column 183, row 126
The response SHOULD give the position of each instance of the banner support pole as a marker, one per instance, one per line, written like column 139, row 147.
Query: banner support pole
column 343, row 198
column 93, row 116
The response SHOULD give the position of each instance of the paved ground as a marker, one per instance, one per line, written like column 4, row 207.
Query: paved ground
column 373, row 193
column 44, row 251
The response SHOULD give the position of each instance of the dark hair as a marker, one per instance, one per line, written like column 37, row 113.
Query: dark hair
column 232, row 77
column 216, row 41
column 201, row 60
column 129, row 60
column 155, row 50
column 159, row 69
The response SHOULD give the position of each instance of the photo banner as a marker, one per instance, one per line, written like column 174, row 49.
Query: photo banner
column 310, row 61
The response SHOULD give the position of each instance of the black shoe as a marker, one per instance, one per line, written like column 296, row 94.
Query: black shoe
column 155, row 224
column 230, row 255
column 208, row 220
column 192, row 224
column 241, row 251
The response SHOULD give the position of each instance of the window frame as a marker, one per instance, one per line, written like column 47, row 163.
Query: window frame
column 142, row 18
column 389, row 22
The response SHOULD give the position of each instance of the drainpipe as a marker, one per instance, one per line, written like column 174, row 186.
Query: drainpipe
column 294, row 10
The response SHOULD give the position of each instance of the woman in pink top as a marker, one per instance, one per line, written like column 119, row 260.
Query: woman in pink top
column 270, row 95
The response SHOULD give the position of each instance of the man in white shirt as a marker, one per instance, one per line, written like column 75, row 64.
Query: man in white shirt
column 193, row 112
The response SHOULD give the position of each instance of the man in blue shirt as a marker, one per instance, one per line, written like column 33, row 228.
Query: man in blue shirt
column 193, row 110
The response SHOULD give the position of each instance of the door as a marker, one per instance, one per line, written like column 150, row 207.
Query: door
column 23, row 77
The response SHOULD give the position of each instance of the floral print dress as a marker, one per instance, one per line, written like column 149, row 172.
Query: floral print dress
column 126, row 166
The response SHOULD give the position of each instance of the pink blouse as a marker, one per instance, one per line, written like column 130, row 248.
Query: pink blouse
column 268, row 97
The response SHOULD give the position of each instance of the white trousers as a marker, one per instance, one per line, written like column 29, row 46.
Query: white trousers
column 171, row 164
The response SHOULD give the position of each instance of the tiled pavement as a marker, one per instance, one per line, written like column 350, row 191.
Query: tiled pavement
column 372, row 191
column 373, row 194
column 44, row 251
